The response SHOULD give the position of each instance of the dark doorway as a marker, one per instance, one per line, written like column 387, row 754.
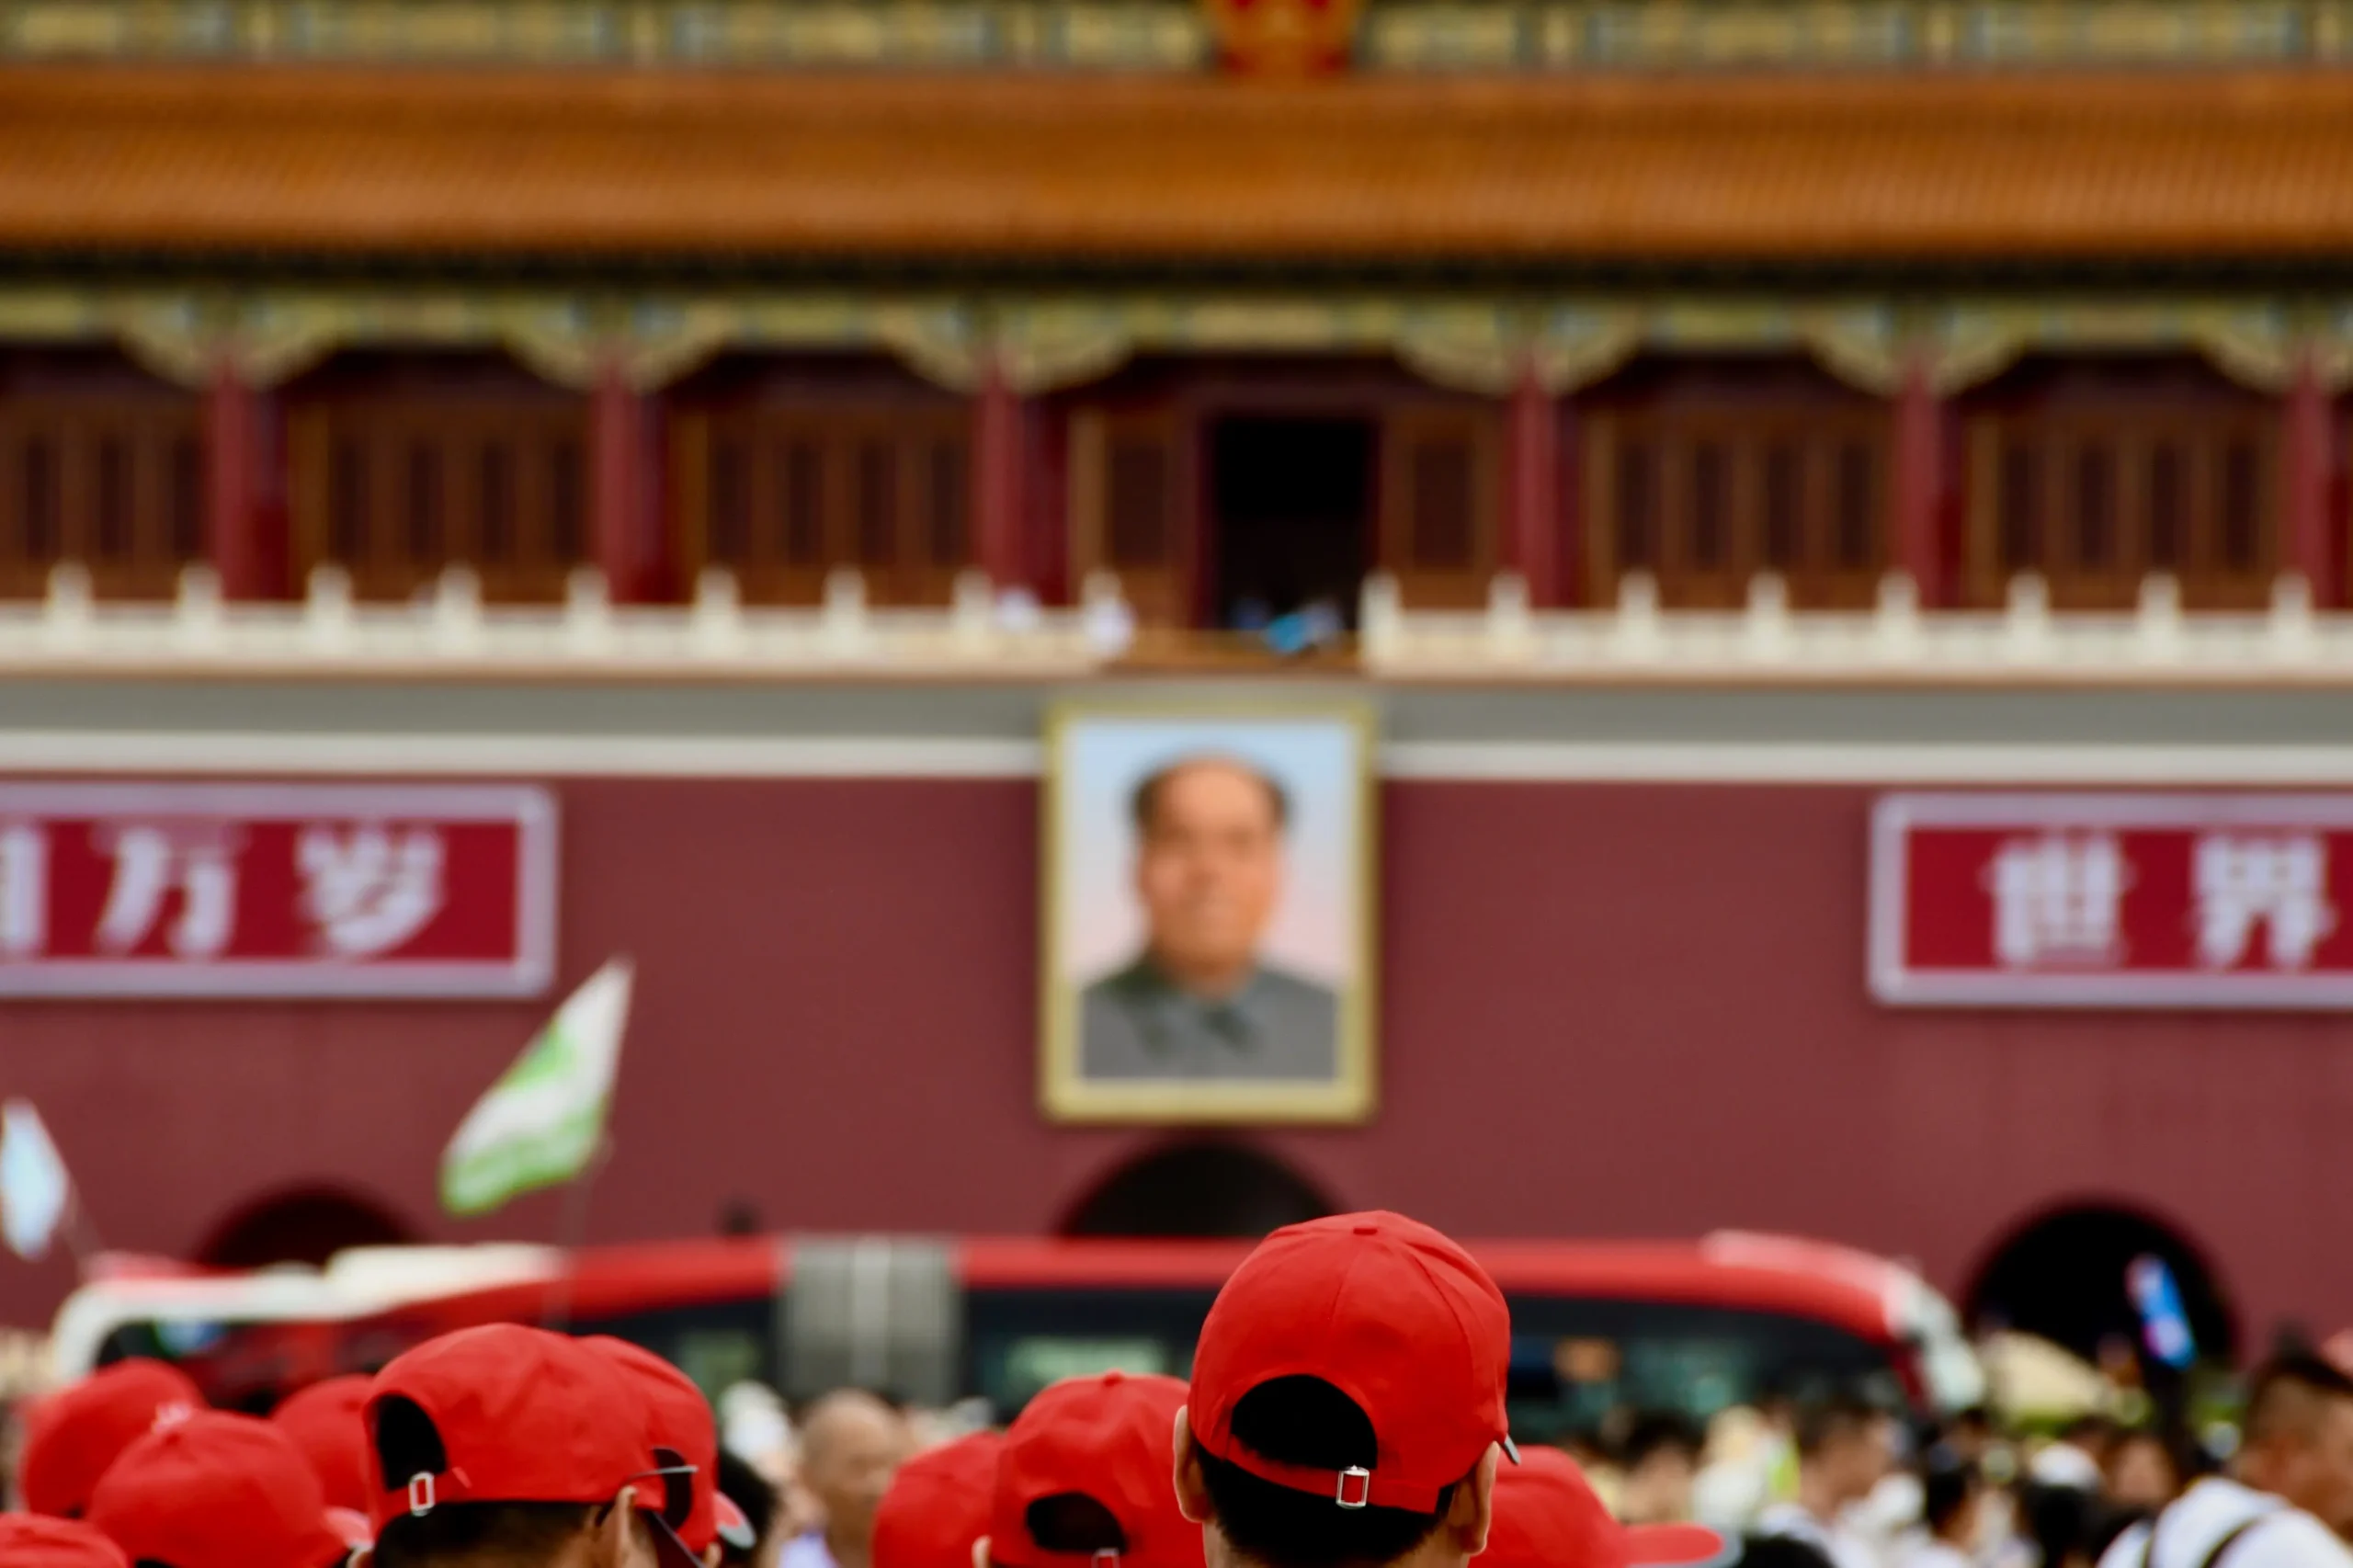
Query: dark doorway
column 306, row 1226
column 1290, row 500
column 2061, row 1276
column 1197, row 1189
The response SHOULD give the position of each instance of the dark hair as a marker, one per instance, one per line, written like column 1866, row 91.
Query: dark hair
column 1828, row 1420
column 748, row 1490
column 1306, row 1421
column 1780, row 1551
column 1947, row 1483
column 1143, row 806
column 2281, row 1393
column 500, row 1533
column 2058, row 1520
column 1658, row 1432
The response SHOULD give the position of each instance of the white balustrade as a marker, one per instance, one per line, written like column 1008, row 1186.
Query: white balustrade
column 449, row 629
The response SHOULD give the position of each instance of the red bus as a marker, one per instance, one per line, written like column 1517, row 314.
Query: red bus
column 1694, row 1325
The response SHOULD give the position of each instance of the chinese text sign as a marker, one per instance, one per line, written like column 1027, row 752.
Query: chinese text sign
column 202, row 890
column 2113, row 901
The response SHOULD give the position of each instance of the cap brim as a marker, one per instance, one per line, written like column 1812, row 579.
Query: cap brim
column 1679, row 1546
column 735, row 1531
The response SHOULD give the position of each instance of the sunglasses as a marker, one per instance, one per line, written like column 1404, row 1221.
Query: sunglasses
column 678, row 1479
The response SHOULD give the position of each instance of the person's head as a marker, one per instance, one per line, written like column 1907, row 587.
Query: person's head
column 1085, row 1472
column 1970, row 1434
column 73, row 1434
column 939, row 1506
column 681, row 1429
column 2142, row 1472
column 749, row 1492
column 322, row 1421
column 509, row 1446
column 1952, row 1493
column 1548, row 1516
column 1659, row 1459
column 1347, row 1406
column 850, row 1444
column 1845, row 1447
column 39, row 1540
column 2089, row 1433
column 217, row 1490
column 1209, row 865
column 2296, row 1438
column 2059, row 1520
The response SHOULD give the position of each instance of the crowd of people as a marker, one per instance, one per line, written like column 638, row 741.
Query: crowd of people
column 1345, row 1409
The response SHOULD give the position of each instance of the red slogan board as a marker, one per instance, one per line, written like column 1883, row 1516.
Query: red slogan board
column 2112, row 900
column 205, row 890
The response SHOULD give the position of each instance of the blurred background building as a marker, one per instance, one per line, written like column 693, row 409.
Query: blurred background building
column 745, row 418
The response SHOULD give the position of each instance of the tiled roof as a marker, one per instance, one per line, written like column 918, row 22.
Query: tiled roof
column 1200, row 169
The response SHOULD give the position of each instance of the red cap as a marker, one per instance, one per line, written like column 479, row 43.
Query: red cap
column 678, row 1418
column 1111, row 1438
column 217, row 1490
column 324, row 1422
column 1394, row 1315
column 1547, row 1516
column 75, row 1434
column 35, row 1540
column 938, row 1505
column 524, row 1416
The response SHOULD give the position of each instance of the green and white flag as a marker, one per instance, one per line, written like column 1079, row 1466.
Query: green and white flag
column 542, row 1122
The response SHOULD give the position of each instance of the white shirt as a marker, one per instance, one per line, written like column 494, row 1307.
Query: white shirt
column 806, row 1552
column 2196, row 1523
column 1930, row 1552
column 1842, row 1546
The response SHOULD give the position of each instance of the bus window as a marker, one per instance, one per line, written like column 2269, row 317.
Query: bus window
column 717, row 1344
column 1574, row 1361
column 1016, row 1342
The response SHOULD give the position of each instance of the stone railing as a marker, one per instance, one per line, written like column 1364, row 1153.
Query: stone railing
column 450, row 632
column 1768, row 643
column 1176, row 35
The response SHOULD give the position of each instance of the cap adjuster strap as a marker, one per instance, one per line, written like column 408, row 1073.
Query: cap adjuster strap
column 420, row 1495
column 1359, row 1496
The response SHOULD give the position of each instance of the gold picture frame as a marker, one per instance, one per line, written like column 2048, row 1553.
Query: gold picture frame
column 1107, row 1018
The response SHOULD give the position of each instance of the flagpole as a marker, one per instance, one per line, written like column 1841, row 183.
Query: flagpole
column 571, row 1233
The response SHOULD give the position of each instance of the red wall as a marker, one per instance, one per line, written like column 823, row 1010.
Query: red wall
column 1607, row 1009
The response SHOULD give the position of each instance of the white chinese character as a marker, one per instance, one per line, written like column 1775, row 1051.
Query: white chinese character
column 373, row 891
column 149, row 863
column 2246, row 878
column 2058, row 899
column 24, row 891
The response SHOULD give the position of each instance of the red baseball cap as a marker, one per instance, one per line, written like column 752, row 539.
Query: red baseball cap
column 523, row 1415
column 75, row 1434
column 36, row 1540
column 217, row 1490
column 1394, row 1315
column 938, row 1505
column 1111, row 1438
column 1548, row 1516
column 323, row 1420
column 679, row 1419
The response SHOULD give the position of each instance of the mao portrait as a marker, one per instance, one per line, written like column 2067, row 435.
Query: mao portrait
column 1207, row 915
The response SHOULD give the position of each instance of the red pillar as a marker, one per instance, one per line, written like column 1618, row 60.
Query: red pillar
column 2310, row 467
column 1919, row 482
column 1532, row 505
column 233, row 522
column 619, row 509
column 1000, row 540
